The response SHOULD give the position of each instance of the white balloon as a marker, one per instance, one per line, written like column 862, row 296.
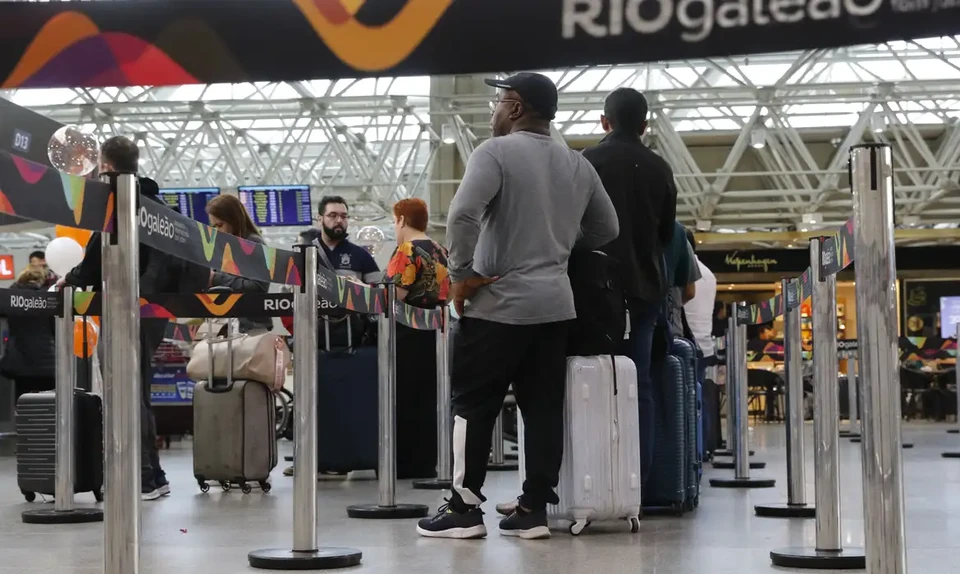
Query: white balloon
column 63, row 254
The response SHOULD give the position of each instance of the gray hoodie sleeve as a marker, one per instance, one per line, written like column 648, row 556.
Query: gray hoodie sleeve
column 481, row 184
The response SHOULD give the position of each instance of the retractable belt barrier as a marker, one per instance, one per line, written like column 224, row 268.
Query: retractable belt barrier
column 869, row 238
column 114, row 207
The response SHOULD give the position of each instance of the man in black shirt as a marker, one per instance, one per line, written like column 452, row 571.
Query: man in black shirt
column 641, row 186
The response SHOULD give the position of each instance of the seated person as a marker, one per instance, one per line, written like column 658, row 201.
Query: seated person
column 418, row 268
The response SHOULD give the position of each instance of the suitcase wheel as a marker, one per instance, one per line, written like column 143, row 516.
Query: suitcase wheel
column 204, row 487
column 98, row 495
column 634, row 525
column 244, row 487
column 265, row 486
column 577, row 527
column 677, row 508
column 225, row 485
column 29, row 496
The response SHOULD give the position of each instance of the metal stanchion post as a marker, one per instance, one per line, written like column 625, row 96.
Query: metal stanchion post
column 121, row 383
column 497, row 457
column 796, row 506
column 64, row 511
column 444, row 480
column 956, row 430
column 727, row 443
column 305, row 554
column 387, row 506
column 853, row 407
column 737, row 399
column 829, row 553
column 871, row 170
column 955, row 454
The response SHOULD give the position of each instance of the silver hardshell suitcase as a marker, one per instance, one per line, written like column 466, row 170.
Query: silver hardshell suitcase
column 234, row 428
column 600, row 473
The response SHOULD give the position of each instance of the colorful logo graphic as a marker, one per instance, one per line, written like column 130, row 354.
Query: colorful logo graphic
column 219, row 309
column 70, row 50
column 372, row 48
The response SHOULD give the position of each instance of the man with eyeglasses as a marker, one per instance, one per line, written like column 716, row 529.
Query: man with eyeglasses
column 344, row 257
column 524, row 201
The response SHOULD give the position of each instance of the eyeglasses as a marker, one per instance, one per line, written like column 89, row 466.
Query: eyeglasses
column 334, row 216
column 495, row 103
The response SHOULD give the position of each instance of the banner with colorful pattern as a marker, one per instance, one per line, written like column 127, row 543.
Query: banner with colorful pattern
column 33, row 191
column 175, row 42
column 836, row 253
column 217, row 305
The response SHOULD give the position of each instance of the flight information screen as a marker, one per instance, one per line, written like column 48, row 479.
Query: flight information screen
column 191, row 201
column 275, row 205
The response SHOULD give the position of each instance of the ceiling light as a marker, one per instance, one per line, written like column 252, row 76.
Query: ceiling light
column 703, row 225
column 447, row 135
column 878, row 124
column 758, row 138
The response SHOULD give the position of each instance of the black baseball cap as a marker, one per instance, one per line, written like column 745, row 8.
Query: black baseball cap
column 537, row 91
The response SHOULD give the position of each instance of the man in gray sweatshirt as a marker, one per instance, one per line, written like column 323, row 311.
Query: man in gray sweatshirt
column 524, row 202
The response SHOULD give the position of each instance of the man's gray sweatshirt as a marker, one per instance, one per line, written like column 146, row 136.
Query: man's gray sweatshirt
column 524, row 202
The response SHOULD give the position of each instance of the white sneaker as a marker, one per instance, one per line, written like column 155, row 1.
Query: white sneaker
column 152, row 495
column 164, row 490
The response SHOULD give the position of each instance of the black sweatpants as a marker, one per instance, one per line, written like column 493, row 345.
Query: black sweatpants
column 487, row 358
column 151, row 335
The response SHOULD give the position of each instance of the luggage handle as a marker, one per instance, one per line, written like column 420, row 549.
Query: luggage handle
column 211, row 385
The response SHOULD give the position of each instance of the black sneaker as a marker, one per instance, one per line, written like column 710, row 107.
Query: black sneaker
column 451, row 524
column 526, row 525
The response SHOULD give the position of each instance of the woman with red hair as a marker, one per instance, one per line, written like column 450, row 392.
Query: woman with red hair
column 419, row 270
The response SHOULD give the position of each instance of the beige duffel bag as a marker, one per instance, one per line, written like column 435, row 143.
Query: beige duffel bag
column 261, row 358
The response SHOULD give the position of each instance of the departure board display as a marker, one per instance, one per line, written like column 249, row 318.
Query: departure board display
column 275, row 205
column 191, row 201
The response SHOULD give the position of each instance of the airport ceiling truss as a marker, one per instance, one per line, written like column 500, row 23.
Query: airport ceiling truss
column 376, row 140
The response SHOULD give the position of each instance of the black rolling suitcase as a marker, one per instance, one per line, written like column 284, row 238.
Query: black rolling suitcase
column 36, row 444
column 666, row 487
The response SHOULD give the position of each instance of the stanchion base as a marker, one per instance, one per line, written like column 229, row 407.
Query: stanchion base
column 953, row 431
column 729, row 465
column 848, row 434
column 846, row 559
column 398, row 512
column 505, row 467
column 785, row 510
column 953, row 454
column 907, row 445
column 743, row 482
column 288, row 458
column 433, row 484
column 51, row 516
column 724, row 452
column 320, row 559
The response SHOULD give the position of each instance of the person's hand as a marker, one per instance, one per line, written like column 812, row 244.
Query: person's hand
column 466, row 289
column 60, row 283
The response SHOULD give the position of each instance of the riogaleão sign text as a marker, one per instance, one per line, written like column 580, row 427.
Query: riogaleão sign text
column 753, row 262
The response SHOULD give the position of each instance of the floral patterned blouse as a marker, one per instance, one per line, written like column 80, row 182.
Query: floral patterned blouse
column 420, row 267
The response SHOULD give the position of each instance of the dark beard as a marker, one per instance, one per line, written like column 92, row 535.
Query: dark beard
column 335, row 233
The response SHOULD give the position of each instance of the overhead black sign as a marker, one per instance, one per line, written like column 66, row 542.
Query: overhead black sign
column 25, row 133
column 781, row 261
column 197, row 41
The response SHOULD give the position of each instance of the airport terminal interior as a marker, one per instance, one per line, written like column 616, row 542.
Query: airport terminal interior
column 760, row 146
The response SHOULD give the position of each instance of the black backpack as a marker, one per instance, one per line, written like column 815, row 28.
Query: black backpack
column 598, row 297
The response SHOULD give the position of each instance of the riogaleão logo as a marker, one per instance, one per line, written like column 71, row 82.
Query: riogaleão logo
column 372, row 48
column 218, row 309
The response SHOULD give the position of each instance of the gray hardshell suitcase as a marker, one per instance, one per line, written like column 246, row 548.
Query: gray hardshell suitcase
column 684, row 350
column 234, row 426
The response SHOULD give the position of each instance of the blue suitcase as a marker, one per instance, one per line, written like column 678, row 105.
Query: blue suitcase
column 666, row 485
column 687, row 353
column 347, row 422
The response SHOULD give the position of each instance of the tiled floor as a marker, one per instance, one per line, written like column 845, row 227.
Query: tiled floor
column 212, row 534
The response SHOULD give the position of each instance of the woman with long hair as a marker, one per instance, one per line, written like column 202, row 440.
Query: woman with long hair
column 227, row 214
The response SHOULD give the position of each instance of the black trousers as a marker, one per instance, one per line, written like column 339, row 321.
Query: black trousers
column 151, row 335
column 487, row 358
